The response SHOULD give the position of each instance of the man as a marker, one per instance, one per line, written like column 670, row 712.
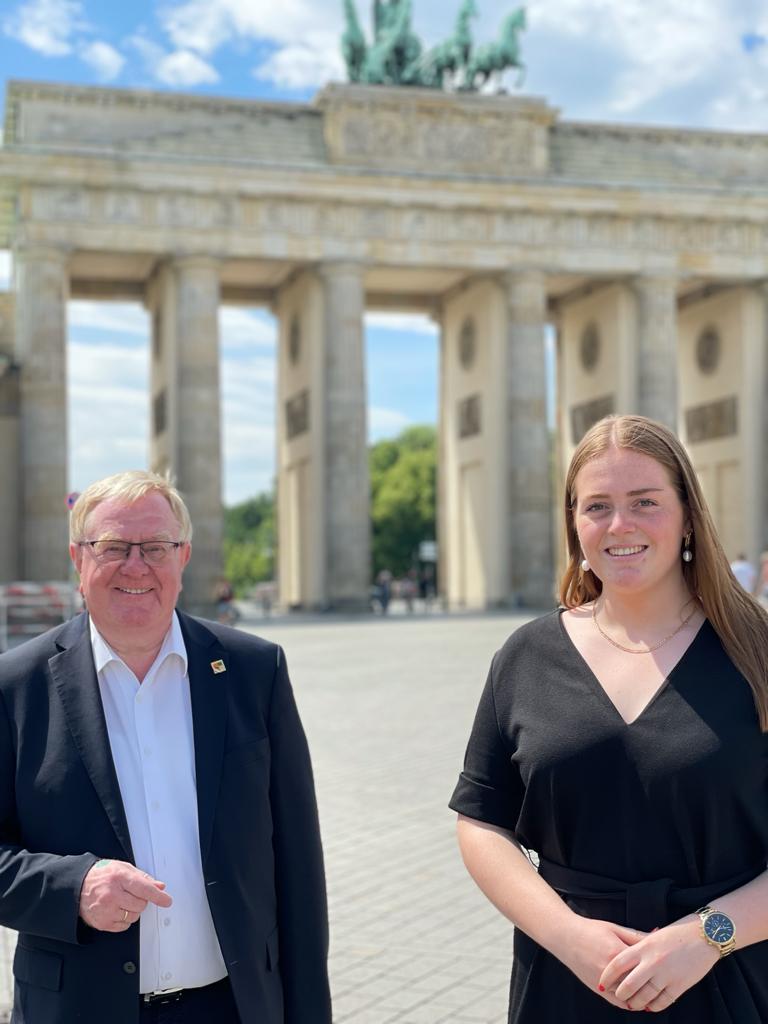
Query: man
column 159, row 845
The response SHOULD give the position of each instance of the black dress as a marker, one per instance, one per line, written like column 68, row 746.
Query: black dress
column 638, row 824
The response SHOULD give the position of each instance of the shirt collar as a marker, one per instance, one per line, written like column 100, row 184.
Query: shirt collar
column 173, row 643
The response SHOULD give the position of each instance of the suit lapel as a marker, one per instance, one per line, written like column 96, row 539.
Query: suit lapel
column 74, row 676
column 209, row 719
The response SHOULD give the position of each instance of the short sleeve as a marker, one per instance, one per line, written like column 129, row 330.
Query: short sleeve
column 489, row 788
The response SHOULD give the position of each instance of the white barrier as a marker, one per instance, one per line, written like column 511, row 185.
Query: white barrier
column 7, row 945
column 29, row 609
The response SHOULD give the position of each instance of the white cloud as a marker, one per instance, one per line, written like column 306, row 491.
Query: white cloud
column 108, row 399
column 179, row 68
column 105, row 60
column 244, row 329
column 412, row 323
column 248, row 421
column 5, row 269
column 655, row 46
column 46, row 26
column 184, row 68
column 109, row 317
column 384, row 423
column 205, row 25
column 313, row 61
column 149, row 51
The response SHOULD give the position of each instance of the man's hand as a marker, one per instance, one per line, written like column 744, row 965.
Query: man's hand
column 115, row 893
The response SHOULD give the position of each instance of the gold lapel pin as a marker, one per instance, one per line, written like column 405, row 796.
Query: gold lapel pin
column 218, row 666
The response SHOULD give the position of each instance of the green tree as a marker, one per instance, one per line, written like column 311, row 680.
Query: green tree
column 249, row 542
column 403, row 497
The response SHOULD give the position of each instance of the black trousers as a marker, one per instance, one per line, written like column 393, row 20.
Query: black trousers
column 194, row 1006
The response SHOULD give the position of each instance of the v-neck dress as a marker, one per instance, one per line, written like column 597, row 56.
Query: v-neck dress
column 635, row 823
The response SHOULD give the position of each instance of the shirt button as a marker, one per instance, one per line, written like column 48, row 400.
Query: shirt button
column 167, row 922
column 147, row 751
column 129, row 967
column 155, row 805
column 167, row 976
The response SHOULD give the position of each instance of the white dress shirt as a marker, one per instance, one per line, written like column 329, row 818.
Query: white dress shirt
column 151, row 736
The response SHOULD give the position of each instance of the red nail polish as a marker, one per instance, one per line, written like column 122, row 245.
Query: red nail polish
column 601, row 988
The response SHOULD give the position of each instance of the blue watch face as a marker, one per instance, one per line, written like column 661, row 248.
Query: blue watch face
column 719, row 928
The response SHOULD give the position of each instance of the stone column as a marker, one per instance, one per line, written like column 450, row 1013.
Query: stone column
column 347, row 488
column 441, row 512
column 762, row 441
column 42, row 288
column 529, row 534
column 657, row 369
column 198, row 467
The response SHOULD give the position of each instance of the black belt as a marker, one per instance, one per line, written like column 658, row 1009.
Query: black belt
column 647, row 905
column 173, row 995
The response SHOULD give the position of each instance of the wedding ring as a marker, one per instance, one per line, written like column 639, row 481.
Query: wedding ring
column 125, row 916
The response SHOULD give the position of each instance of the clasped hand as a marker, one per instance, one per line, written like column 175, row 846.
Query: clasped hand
column 637, row 970
column 114, row 894
column 658, row 967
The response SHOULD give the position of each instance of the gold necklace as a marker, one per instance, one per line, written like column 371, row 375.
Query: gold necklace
column 632, row 650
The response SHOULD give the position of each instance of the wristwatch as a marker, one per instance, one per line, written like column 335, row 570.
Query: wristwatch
column 718, row 930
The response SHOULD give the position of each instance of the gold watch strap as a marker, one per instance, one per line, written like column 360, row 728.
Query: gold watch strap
column 723, row 948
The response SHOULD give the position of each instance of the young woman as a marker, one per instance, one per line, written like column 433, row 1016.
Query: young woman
column 623, row 738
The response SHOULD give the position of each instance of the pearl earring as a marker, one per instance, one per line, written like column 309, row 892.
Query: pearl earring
column 584, row 565
column 687, row 553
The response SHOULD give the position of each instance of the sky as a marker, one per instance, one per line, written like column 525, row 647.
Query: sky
column 694, row 63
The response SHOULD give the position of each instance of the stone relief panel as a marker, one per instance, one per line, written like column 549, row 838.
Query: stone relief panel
column 470, row 419
column 586, row 414
column 297, row 415
column 589, row 347
column 122, row 207
column 712, row 420
column 60, row 204
column 7, row 314
column 397, row 129
column 708, row 349
column 159, row 413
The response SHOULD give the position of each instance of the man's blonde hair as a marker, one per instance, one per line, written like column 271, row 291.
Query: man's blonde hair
column 129, row 486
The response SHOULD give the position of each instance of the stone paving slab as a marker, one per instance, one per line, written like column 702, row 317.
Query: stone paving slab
column 387, row 705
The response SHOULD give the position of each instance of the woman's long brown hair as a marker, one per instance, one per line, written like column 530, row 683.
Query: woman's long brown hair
column 739, row 620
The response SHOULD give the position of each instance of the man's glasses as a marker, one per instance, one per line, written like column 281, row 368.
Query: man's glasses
column 152, row 551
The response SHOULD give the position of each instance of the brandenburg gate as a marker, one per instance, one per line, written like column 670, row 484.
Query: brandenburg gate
column 646, row 248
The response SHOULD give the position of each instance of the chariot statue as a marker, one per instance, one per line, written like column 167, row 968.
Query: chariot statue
column 397, row 57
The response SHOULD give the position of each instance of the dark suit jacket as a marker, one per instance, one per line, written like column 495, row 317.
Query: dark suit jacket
column 61, row 810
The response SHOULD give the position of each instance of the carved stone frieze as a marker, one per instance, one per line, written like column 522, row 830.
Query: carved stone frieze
column 342, row 219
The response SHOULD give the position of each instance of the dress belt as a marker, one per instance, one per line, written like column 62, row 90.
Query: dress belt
column 647, row 905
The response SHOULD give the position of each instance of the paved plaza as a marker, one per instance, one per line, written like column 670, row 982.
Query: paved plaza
column 387, row 705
